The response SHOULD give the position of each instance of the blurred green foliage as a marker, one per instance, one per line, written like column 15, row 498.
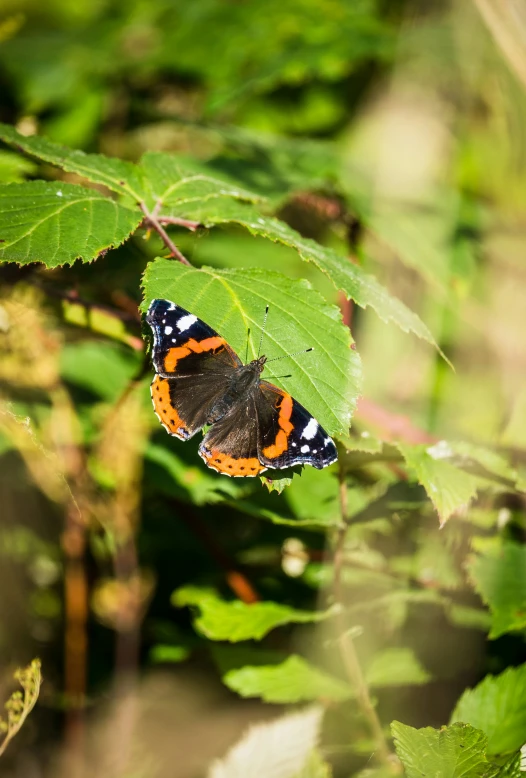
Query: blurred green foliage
column 352, row 164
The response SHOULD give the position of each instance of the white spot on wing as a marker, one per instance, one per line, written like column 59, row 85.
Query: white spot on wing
column 327, row 441
column 310, row 430
column 168, row 330
column 304, row 449
column 294, row 444
column 185, row 322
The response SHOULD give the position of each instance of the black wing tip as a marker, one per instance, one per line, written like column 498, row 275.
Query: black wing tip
column 159, row 307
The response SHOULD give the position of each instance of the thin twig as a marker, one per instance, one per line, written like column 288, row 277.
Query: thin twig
column 346, row 645
column 153, row 222
column 190, row 225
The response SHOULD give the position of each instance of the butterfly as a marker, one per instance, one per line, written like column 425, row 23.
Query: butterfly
column 201, row 381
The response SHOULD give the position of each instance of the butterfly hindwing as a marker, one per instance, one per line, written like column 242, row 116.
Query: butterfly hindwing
column 194, row 366
column 231, row 444
column 288, row 434
column 184, row 405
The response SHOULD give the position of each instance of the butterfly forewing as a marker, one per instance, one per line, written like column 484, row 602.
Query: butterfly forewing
column 184, row 345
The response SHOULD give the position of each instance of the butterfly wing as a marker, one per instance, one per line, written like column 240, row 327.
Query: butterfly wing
column 183, row 345
column 194, row 366
column 231, row 444
column 288, row 434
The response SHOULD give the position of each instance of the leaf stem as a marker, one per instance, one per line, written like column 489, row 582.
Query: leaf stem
column 346, row 645
column 152, row 221
column 190, row 225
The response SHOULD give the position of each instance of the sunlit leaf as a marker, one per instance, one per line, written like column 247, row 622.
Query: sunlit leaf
column 396, row 667
column 56, row 223
column 101, row 368
column 182, row 183
column 295, row 680
column 116, row 174
column 500, row 579
column 448, row 487
column 196, row 482
column 326, row 380
column 458, row 751
column 275, row 749
column 235, row 621
column 496, row 706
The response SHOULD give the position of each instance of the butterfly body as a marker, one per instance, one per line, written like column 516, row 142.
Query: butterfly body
column 201, row 381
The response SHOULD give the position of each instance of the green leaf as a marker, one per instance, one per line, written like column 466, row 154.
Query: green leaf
column 458, row 751
column 14, row 168
column 295, row 680
column 350, row 278
column 274, row 749
column 56, row 223
column 497, row 706
column 448, row 487
column 116, row 174
column 470, row 618
column 396, row 667
column 197, row 483
column 500, row 580
column 235, row 621
column 102, row 368
column 169, row 654
column 185, row 187
column 326, row 380
column 510, row 769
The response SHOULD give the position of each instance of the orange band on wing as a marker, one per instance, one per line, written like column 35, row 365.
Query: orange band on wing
column 281, row 443
column 192, row 346
column 166, row 413
column 230, row 466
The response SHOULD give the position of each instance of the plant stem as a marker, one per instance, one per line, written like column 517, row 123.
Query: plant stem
column 190, row 225
column 152, row 221
column 346, row 645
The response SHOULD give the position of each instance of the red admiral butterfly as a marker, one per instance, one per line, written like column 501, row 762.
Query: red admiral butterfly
column 201, row 381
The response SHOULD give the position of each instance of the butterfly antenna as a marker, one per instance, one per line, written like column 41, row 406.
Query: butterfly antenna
column 286, row 356
column 263, row 330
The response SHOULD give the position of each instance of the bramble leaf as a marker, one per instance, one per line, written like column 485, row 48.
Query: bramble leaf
column 236, row 621
column 326, row 381
column 275, row 749
column 496, row 706
column 396, row 667
column 56, row 223
column 448, row 487
column 182, row 186
column 118, row 175
column 350, row 278
column 457, row 751
column 500, row 579
column 294, row 680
